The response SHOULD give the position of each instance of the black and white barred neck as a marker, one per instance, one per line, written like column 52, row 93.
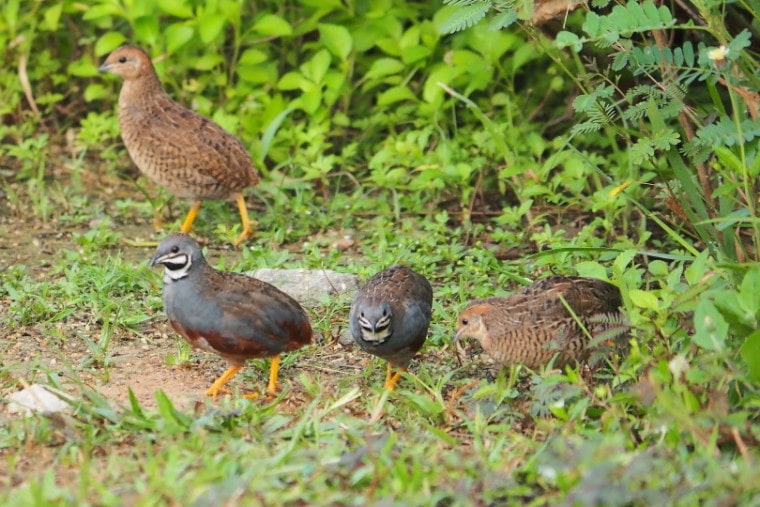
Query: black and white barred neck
column 177, row 264
column 375, row 321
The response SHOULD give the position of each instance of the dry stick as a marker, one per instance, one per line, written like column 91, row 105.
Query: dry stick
column 703, row 172
column 740, row 444
column 24, row 78
column 751, row 98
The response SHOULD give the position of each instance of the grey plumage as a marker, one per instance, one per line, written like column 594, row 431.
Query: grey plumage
column 229, row 314
column 390, row 316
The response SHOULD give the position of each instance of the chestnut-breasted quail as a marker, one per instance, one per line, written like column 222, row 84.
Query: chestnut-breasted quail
column 390, row 316
column 190, row 155
column 229, row 314
column 533, row 325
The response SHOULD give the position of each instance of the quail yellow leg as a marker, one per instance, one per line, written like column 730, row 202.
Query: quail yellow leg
column 391, row 378
column 188, row 223
column 218, row 385
column 274, row 371
column 156, row 221
column 246, row 222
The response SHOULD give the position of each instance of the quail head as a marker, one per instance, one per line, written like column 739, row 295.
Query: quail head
column 390, row 316
column 229, row 314
column 534, row 325
column 188, row 154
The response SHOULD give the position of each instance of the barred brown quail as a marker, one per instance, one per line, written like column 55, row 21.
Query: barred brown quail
column 229, row 314
column 533, row 325
column 188, row 154
column 390, row 316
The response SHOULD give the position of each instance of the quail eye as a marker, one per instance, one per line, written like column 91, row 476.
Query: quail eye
column 122, row 59
column 465, row 322
column 385, row 313
column 175, row 249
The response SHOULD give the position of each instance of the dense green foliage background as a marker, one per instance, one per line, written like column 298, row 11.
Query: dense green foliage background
column 618, row 141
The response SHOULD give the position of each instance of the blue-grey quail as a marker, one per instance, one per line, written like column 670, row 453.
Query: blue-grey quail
column 534, row 325
column 230, row 314
column 390, row 316
column 188, row 154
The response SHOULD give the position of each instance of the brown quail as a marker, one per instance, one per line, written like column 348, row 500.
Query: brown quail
column 191, row 156
column 533, row 325
column 229, row 314
column 390, row 316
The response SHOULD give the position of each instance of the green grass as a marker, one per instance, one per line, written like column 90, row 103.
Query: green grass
column 453, row 433
column 380, row 140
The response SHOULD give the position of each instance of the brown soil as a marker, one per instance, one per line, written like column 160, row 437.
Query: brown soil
column 136, row 361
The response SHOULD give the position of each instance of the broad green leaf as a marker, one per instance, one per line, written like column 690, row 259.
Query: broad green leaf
column 96, row 91
column 52, row 16
column 316, row 68
column 415, row 54
column 410, row 38
column 102, row 11
column 207, row 61
column 750, row 291
column 146, row 29
column 291, row 81
column 644, row 299
column 710, row 328
column 82, row 68
column 658, row 268
column 252, row 57
column 395, row 94
column 750, row 354
column 10, row 14
column 389, row 46
column 623, row 260
column 210, row 26
column 383, row 67
column 311, row 99
column 337, row 39
column 697, row 269
column 260, row 73
column 108, row 42
column 178, row 8
column 272, row 25
column 177, row 35
column 592, row 269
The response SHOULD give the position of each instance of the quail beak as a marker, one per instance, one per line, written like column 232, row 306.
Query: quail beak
column 457, row 336
column 105, row 67
column 157, row 259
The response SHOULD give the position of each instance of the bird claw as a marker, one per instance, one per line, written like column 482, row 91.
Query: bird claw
column 214, row 392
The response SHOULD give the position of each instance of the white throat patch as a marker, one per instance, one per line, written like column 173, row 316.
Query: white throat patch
column 177, row 267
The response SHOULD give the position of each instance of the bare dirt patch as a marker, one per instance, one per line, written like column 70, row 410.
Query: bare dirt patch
column 136, row 361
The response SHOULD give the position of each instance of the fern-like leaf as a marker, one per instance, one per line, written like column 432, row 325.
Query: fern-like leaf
column 460, row 3
column 502, row 20
column 625, row 21
column 465, row 17
column 641, row 151
column 585, row 127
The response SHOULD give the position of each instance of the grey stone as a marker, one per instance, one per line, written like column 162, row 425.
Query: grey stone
column 38, row 398
column 310, row 287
